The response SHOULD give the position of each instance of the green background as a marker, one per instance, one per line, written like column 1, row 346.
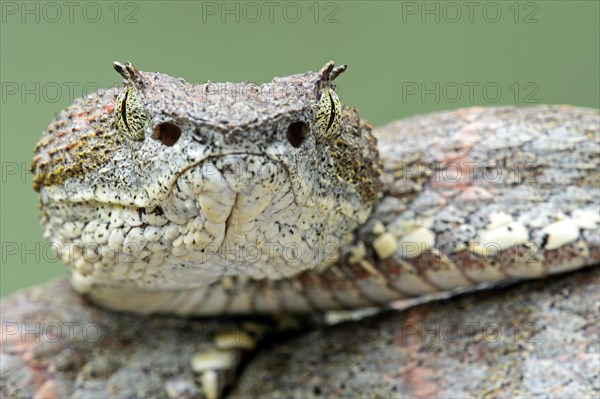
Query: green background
column 534, row 51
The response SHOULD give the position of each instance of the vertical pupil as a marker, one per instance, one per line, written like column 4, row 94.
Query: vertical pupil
column 124, row 110
column 332, row 113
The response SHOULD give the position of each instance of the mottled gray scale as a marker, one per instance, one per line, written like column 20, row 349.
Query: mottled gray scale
column 225, row 195
column 193, row 200
column 230, row 216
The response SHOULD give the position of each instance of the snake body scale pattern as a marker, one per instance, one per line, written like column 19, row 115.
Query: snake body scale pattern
column 164, row 196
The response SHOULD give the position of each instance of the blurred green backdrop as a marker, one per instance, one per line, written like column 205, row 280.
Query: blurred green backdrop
column 404, row 58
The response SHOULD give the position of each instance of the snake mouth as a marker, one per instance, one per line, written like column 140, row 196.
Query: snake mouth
column 211, row 158
column 230, row 192
column 233, row 214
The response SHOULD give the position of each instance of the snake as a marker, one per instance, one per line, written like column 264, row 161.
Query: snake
column 214, row 199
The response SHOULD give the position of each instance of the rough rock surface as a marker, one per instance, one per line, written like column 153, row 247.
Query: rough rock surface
column 56, row 344
column 536, row 339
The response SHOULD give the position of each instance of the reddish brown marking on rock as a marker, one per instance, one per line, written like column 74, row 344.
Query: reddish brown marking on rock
column 457, row 173
column 47, row 391
column 472, row 194
column 420, row 379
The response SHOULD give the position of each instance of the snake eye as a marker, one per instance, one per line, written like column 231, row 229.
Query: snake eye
column 296, row 133
column 329, row 112
column 167, row 133
column 130, row 114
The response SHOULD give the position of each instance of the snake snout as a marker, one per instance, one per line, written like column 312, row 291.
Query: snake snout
column 233, row 190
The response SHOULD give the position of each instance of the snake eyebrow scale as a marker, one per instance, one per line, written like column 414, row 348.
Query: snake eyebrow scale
column 176, row 201
column 130, row 74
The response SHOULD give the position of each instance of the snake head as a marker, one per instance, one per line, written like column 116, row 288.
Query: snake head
column 222, row 165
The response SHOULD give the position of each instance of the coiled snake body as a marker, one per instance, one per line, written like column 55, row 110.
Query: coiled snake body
column 163, row 196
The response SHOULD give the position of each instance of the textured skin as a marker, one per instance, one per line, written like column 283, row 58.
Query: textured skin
column 525, row 205
column 128, row 205
column 149, row 356
column 140, row 192
column 150, row 226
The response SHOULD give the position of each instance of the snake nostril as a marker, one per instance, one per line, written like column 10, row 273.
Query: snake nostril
column 168, row 133
column 296, row 133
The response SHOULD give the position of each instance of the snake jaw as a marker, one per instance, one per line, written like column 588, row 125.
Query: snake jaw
column 175, row 185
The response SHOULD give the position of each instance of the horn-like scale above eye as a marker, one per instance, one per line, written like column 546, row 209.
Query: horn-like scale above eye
column 130, row 114
column 328, row 115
